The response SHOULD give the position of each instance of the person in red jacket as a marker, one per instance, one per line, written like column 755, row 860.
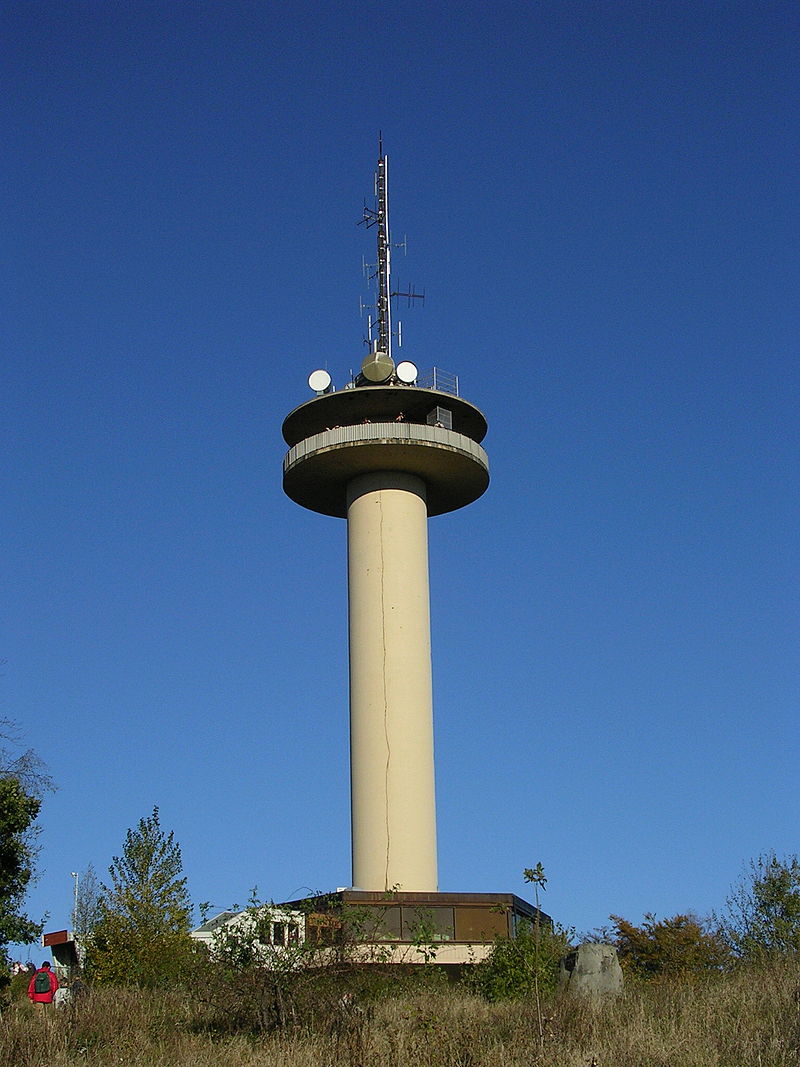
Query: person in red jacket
column 43, row 985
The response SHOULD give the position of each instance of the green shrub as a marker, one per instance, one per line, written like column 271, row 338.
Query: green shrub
column 521, row 966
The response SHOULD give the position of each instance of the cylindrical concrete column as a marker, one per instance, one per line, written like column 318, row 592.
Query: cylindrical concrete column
column 391, row 705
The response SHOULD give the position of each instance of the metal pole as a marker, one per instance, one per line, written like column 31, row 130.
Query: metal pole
column 75, row 900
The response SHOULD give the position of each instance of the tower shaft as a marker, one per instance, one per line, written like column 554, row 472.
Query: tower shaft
column 386, row 454
column 391, row 707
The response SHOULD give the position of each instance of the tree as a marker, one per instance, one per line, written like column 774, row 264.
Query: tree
column 18, row 810
column 88, row 904
column 762, row 912
column 28, row 769
column 142, row 937
column 681, row 946
column 22, row 783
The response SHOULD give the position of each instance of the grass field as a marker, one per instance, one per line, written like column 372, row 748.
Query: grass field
column 750, row 1018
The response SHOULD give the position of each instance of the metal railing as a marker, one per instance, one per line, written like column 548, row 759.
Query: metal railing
column 440, row 380
column 434, row 378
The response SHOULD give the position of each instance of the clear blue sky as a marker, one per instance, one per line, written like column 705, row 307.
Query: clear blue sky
column 602, row 203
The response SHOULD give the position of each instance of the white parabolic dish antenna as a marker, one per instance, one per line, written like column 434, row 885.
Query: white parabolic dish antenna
column 406, row 372
column 319, row 381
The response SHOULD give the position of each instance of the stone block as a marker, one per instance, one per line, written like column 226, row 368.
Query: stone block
column 591, row 970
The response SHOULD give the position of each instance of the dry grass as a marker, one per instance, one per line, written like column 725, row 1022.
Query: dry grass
column 744, row 1020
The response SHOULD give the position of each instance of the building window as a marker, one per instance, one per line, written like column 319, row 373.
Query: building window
column 322, row 929
column 279, row 933
column 480, row 924
column 373, row 923
column 428, row 924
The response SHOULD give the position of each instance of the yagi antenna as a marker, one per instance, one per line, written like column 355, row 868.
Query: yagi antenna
column 381, row 271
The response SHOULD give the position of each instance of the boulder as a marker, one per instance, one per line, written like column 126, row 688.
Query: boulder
column 591, row 970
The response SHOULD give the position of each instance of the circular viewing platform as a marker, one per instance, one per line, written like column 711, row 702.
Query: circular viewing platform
column 380, row 403
column 424, row 432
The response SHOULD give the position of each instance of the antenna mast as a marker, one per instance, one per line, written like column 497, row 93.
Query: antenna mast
column 384, row 254
column 379, row 364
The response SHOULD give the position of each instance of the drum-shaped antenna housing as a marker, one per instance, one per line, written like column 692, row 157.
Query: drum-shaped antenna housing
column 377, row 367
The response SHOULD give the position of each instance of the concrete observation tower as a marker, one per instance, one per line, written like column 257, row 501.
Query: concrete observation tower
column 386, row 452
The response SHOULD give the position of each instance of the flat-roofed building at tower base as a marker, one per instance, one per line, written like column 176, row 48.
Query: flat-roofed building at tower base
column 447, row 929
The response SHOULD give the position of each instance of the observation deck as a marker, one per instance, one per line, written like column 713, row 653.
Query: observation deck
column 431, row 434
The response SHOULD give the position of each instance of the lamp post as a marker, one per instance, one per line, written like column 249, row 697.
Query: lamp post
column 74, row 899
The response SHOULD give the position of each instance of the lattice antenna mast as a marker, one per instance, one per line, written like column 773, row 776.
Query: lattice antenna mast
column 384, row 255
column 379, row 217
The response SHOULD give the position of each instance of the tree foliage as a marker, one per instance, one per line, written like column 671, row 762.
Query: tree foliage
column 142, row 936
column 28, row 769
column 680, row 946
column 88, row 904
column 23, row 781
column 18, row 810
column 762, row 913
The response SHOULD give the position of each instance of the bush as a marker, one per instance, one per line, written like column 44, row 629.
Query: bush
column 13, row 989
column 250, row 984
column 681, row 946
column 521, row 966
